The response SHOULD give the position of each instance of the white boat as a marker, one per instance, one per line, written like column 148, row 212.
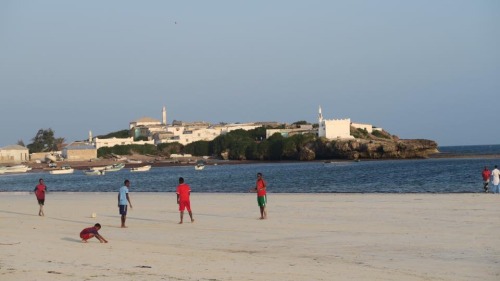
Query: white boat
column 200, row 165
column 102, row 168
column 141, row 169
column 92, row 172
column 17, row 169
column 114, row 167
column 63, row 170
column 132, row 161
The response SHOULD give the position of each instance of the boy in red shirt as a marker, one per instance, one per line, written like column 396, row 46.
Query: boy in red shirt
column 183, row 192
column 40, row 190
column 90, row 232
column 260, row 188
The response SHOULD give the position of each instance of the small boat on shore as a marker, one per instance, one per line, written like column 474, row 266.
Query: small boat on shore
column 93, row 172
column 62, row 171
column 114, row 167
column 141, row 169
column 16, row 169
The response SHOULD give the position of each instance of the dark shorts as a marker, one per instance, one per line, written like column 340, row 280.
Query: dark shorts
column 261, row 201
column 123, row 210
column 41, row 201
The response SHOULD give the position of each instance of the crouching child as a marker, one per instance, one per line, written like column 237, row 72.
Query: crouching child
column 90, row 232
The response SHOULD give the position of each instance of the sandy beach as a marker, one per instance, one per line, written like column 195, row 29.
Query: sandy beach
column 306, row 237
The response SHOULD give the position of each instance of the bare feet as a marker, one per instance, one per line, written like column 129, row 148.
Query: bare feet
column 124, row 226
column 180, row 222
column 192, row 220
column 84, row 241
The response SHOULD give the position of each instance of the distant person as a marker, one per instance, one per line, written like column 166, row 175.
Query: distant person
column 40, row 191
column 495, row 179
column 90, row 232
column 260, row 188
column 183, row 194
column 486, row 178
column 123, row 201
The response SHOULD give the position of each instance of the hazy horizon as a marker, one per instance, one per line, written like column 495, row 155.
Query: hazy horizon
column 419, row 69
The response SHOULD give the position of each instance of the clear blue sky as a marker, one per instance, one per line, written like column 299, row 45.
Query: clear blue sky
column 419, row 69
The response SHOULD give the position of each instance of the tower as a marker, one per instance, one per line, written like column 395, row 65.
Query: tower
column 164, row 116
column 90, row 136
column 321, row 124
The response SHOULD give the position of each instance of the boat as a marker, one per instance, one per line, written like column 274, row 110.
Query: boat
column 98, row 168
column 200, row 165
column 114, row 167
column 133, row 161
column 64, row 170
column 141, row 169
column 92, row 172
column 16, row 169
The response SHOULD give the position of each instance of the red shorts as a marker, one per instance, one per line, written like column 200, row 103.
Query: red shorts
column 86, row 236
column 186, row 204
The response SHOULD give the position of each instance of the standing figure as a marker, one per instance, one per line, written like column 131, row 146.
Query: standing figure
column 495, row 179
column 90, row 232
column 183, row 193
column 123, row 201
column 260, row 188
column 486, row 178
column 40, row 190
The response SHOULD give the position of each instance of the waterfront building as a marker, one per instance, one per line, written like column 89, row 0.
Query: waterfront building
column 14, row 154
column 79, row 151
column 334, row 128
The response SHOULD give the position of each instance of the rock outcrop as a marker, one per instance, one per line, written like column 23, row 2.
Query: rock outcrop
column 374, row 149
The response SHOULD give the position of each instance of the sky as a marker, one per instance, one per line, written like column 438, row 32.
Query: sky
column 418, row 69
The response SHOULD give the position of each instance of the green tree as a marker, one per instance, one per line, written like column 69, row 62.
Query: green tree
column 21, row 143
column 198, row 148
column 275, row 147
column 43, row 141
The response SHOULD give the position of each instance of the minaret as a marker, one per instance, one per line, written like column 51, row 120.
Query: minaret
column 164, row 116
column 90, row 136
column 321, row 124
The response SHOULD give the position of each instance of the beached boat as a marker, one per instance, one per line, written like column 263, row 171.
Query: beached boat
column 141, row 169
column 63, row 170
column 93, row 172
column 114, row 167
column 133, row 161
column 16, row 169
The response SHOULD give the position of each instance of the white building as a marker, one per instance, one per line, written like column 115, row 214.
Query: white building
column 98, row 143
column 14, row 154
column 334, row 128
column 367, row 127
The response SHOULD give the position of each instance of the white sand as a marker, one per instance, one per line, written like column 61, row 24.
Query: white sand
column 306, row 237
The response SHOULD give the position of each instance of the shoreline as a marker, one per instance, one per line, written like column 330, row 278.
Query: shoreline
column 83, row 165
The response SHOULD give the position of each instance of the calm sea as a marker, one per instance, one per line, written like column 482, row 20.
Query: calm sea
column 388, row 176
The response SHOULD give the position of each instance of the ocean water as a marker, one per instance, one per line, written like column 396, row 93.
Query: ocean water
column 455, row 175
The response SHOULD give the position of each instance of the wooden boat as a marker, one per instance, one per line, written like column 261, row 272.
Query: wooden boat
column 63, row 170
column 92, row 172
column 141, row 169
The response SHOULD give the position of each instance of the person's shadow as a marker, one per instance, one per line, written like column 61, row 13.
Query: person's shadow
column 71, row 239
